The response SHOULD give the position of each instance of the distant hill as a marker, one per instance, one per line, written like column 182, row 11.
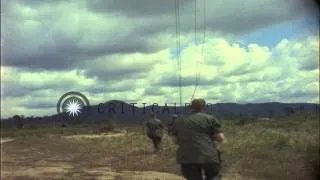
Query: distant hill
column 121, row 112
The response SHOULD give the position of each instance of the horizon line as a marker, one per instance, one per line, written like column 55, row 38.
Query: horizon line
column 207, row 104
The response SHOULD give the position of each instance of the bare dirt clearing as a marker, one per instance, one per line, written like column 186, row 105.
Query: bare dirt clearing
column 43, row 160
column 90, row 136
column 6, row 140
column 49, row 170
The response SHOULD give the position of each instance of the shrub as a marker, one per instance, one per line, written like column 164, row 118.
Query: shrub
column 110, row 126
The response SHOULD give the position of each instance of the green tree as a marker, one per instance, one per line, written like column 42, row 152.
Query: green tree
column 289, row 111
column 301, row 108
column 19, row 120
column 271, row 114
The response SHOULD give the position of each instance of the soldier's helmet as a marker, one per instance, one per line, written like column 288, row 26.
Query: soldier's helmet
column 152, row 115
column 198, row 104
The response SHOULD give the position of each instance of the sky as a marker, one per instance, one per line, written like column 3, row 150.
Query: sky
column 253, row 52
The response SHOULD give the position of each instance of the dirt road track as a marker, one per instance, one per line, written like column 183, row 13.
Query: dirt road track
column 6, row 140
column 45, row 170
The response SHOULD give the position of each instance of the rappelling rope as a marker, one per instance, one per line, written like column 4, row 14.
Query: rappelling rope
column 177, row 16
column 196, row 42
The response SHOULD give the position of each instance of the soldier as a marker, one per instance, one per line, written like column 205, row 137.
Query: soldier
column 196, row 135
column 170, row 123
column 154, row 131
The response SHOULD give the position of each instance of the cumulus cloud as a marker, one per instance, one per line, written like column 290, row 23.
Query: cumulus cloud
column 60, row 34
column 253, row 73
column 18, row 82
column 115, row 67
column 230, row 16
column 271, row 74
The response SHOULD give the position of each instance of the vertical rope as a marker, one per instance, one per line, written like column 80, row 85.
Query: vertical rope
column 204, row 26
column 177, row 16
column 195, row 22
column 180, row 68
column 204, row 34
column 196, row 44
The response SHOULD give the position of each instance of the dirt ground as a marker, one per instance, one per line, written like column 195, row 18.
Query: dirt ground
column 60, row 170
column 31, row 166
column 54, row 168
column 14, row 168
column 6, row 140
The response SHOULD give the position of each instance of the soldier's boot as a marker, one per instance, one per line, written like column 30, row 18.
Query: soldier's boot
column 214, row 178
column 218, row 177
column 156, row 148
column 212, row 171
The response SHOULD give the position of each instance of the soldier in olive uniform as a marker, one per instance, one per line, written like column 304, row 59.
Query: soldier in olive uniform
column 155, row 130
column 196, row 135
column 170, row 123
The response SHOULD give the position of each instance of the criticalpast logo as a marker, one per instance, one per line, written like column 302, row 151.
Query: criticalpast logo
column 73, row 106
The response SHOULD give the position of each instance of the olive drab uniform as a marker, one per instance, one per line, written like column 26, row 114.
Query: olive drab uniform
column 170, row 124
column 197, row 150
column 155, row 132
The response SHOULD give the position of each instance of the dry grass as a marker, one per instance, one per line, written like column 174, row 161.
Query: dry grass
column 260, row 150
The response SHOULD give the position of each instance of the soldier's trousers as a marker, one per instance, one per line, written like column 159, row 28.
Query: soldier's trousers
column 194, row 171
column 156, row 140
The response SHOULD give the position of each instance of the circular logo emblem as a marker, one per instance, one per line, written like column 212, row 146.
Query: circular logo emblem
column 73, row 106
